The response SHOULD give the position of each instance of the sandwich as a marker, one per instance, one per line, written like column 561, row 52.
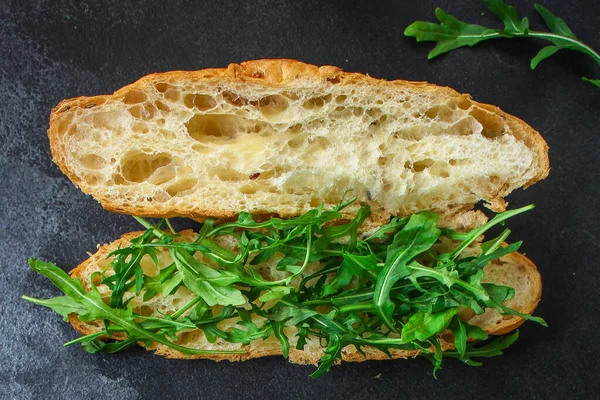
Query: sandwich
column 339, row 217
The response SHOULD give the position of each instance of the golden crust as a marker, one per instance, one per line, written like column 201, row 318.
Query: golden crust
column 272, row 73
column 310, row 357
column 532, row 272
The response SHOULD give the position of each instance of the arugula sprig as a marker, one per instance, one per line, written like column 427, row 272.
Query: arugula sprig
column 492, row 348
column 394, row 289
column 451, row 33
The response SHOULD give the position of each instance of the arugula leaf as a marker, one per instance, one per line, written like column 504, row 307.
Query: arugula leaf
column 292, row 315
column 331, row 233
column 293, row 255
column 419, row 234
column 460, row 335
column 555, row 24
column 542, row 55
column 475, row 332
column 499, row 293
column 126, row 265
column 63, row 305
column 451, row 33
column 278, row 331
column 160, row 283
column 353, row 266
column 302, row 335
column 485, row 259
column 491, row 349
column 333, row 352
column 393, row 226
column 437, row 355
column 94, row 346
column 422, row 325
column 275, row 293
column 505, row 310
column 251, row 333
column 493, row 244
column 166, row 323
column 462, row 331
column 212, row 332
column 353, row 296
column 171, row 284
column 196, row 275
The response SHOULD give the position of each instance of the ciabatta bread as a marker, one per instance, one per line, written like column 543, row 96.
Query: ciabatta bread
column 278, row 137
column 514, row 270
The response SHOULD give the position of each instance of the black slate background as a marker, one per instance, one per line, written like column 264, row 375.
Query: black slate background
column 50, row 50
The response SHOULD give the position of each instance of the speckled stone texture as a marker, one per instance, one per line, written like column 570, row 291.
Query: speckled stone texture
column 50, row 50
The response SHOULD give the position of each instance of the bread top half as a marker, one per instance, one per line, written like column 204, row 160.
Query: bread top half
column 278, row 137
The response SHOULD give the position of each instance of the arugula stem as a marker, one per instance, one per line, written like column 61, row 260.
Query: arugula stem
column 235, row 224
column 498, row 242
column 170, row 226
column 289, row 278
column 87, row 337
column 307, row 256
column 146, row 224
column 448, row 281
column 221, row 252
column 473, row 235
column 189, row 305
column 584, row 48
column 577, row 43
column 321, row 272
column 316, row 303
column 357, row 307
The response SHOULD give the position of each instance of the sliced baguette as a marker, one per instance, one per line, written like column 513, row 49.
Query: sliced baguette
column 514, row 270
column 277, row 137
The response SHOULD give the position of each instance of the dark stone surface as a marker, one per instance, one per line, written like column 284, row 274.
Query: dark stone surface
column 50, row 50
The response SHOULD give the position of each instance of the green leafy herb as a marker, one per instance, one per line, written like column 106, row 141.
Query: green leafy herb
column 275, row 293
column 212, row 285
column 491, row 349
column 462, row 332
column 393, row 290
column 419, row 234
column 452, row 33
column 423, row 325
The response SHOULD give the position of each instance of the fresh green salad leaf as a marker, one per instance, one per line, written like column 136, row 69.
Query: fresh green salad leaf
column 206, row 281
column 423, row 325
column 419, row 234
column 275, row 293
column 491, row 349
